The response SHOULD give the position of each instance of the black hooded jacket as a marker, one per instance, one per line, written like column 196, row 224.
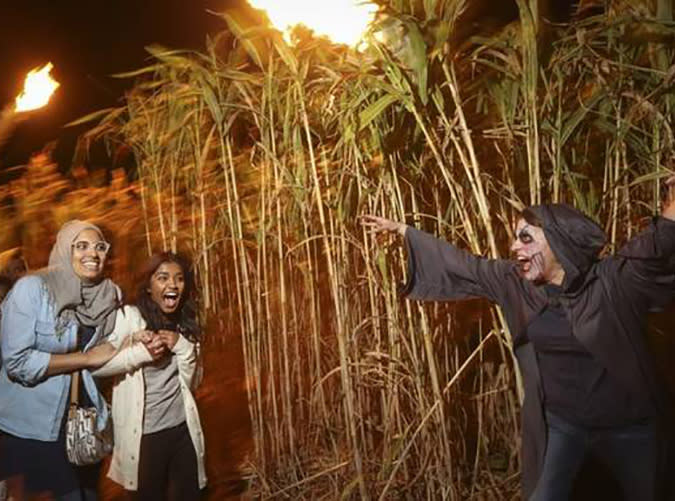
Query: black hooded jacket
column 606, row 301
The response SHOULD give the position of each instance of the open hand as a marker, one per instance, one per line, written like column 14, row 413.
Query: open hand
column 377, row 224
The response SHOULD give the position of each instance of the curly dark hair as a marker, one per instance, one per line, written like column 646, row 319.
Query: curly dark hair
column 184, row 320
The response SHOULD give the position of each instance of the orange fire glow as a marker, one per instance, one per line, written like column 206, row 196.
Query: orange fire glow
column 343, row 21
column 37, row 89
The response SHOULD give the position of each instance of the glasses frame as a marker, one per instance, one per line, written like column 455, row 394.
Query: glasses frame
column 103, row 250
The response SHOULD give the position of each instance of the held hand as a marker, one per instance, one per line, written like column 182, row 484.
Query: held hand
column 155, row 346
column 669, row 204
column 169, row 338
column 377, row 224
column 99, row 355
column 143, row 336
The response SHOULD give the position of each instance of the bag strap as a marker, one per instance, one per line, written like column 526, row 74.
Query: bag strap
column 75, row 377
column 74, row 388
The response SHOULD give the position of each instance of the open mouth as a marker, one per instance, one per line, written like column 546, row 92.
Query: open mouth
column 170, row 300
column 524, row 263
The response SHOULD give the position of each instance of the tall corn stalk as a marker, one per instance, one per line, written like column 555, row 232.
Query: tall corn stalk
column 268, row 153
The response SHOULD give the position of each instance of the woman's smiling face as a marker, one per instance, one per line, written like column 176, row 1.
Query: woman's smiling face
column 167, row 285
column 88, row 255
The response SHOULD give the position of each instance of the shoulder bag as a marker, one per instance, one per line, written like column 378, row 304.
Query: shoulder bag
column 84, row 443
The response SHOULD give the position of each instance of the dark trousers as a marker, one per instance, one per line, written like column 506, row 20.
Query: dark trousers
column 167, row 468
column 36, row 466
column 630, row 453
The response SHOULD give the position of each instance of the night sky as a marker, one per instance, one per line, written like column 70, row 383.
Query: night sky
column 87, row 40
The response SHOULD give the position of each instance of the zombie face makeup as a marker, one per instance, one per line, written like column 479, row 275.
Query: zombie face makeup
column 536, row 260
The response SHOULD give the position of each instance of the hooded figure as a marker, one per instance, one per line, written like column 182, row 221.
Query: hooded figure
column 575, row 240
column 602, row 302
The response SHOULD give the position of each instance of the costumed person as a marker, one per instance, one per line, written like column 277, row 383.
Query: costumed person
column 159, row 444
column 578, row 324
column 54, row 323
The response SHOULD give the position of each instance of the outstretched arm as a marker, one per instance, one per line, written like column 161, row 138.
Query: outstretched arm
column 648, row 259
column 377, row 224
column 438, row 270
column 669, row 205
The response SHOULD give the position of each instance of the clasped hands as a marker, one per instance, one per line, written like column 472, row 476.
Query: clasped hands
column 157, row 343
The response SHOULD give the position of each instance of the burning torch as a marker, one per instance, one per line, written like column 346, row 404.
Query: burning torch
column 37, row 89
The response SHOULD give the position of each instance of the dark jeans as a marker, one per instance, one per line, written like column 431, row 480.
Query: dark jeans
column 629, row 452
column 37, row 466
column 167, row 468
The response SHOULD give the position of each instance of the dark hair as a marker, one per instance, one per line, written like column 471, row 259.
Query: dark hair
column 531, row 217
column 5, row 281
column 184, row 319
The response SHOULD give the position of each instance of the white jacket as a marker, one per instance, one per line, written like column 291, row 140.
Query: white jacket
column 128, row 399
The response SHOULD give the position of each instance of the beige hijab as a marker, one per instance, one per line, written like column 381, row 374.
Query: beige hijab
column 88, row 304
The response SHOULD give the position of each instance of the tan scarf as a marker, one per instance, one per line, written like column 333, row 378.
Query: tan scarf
column 92, row 305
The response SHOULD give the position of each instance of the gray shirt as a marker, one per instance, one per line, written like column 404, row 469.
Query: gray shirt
column 163, row 400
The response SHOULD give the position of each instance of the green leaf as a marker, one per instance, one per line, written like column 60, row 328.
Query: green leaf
column 416, row 58
column 91, row 117
column 375, row 109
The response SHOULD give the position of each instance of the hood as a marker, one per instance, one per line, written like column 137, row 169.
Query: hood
column 574, row 238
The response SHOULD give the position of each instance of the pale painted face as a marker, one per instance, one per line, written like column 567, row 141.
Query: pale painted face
column 166, row 286
column 89, row 252
column 536, row 260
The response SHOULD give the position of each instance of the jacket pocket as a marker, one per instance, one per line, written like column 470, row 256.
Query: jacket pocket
column 45, row 328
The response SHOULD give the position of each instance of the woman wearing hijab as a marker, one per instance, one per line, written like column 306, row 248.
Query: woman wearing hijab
column 53, row 324
column 577, row 323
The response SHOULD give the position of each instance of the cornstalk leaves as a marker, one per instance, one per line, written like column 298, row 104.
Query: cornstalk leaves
column 269, row 152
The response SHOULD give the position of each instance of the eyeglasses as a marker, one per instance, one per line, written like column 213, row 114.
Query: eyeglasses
column 102, row 247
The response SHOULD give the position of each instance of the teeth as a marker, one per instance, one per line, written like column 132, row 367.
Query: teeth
column 171, row 295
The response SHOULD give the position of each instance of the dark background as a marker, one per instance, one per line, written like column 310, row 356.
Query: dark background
column 87, row 41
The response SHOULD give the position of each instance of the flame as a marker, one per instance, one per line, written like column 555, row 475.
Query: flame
column 37, row 89
column 343, row 21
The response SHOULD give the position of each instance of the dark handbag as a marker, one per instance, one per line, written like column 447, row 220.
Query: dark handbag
column 85, row 444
